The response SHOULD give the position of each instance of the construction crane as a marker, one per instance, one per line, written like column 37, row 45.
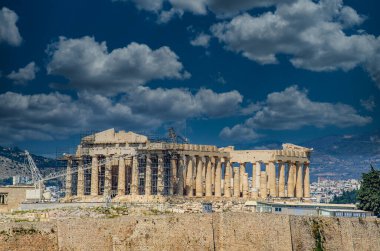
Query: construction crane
column 38, row 180
column 175, row 138
column 36, row 174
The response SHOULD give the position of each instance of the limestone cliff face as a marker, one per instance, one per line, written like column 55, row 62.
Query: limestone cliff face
column 220, row 231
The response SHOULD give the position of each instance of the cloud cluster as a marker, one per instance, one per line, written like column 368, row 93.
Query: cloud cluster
column 178, row 104
column 221, row 8
column 89, row 66
column 23, row 75
column 55, row 115
column 311, row 33
column 8, row 30
column 292, row 109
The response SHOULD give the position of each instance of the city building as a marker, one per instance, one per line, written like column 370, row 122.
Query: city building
column 12, row 196
column 311, row 209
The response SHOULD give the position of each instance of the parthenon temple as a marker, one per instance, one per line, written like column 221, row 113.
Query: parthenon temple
column 129, row 165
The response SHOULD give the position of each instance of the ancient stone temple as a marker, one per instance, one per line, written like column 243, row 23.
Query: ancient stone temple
column 128, row 165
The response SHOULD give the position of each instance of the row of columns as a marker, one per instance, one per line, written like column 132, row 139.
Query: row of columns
column 295, row 184
column 199, row 176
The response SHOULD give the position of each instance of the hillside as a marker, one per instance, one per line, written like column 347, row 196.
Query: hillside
column 12, row 162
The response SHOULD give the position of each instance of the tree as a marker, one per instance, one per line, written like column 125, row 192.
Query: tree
column 369, row 192
column 348, row 197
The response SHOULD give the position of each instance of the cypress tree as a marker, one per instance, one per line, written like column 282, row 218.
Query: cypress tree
column 369, row 192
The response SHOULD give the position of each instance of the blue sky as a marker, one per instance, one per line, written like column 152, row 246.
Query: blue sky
column 220, row 72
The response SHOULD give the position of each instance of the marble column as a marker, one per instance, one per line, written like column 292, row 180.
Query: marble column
column 236, row 182
column 256, row 178
column 291, row 179
column 108, row 176
column 213, row 167
column 135, row 175
column 218, row 178
column 160, row 175
column 209, row 177
column 121, row 177
column 227, row 179
column 306, row 180
column 272, row 179
column 281, row 179
column 258, row 173
column 198, row 181
column 180, row 178
column 299, row 183
column 189, row 176
column 148, row 175
column 69, row 177
column 263, row 185
column 173, row 177
column 253, row 177
column 245, row 185
column 80, row 183
column 94, row 176
column 242, row 172
column 128, row 176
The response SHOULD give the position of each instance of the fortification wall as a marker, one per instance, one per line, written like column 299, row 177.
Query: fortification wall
column 219, row 231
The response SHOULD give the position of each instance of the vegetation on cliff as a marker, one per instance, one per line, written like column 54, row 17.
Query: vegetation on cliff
column 369, row 192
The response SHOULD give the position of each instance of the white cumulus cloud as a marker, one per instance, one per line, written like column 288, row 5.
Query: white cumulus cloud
column 310, row 32
column 292, row 109
column 202, row 40
column 55, row 115
column 23, row 75
column 221, row 8
column 89, row 66
column 9, row 32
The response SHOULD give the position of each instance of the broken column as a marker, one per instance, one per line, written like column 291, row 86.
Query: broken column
column 94, row 176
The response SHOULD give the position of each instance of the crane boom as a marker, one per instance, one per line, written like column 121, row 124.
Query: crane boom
column 36, row 174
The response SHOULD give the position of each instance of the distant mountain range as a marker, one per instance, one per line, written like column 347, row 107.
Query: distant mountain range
column 335, row 157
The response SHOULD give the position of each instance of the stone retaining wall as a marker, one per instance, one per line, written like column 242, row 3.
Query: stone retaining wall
column 218, row 231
